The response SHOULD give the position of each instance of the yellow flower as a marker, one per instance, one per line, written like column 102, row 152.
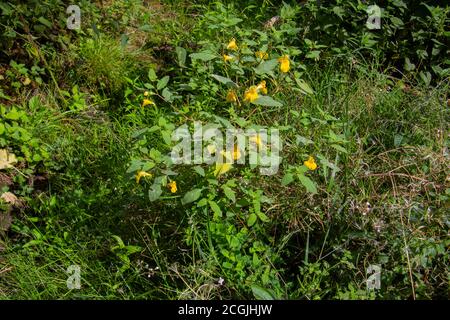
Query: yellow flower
column 284, row 63
column 236, row 153
column 141, row 174
column 232, row 45
column 146, row 102
column 227, row 57
column 211, row 148
column 231, row 96
column 262, row 86
column 173, row 186
column 257, row 139
column 261, row 55
column 310, row 163
column 146, row 93
column 251, row 94
column 221, row 168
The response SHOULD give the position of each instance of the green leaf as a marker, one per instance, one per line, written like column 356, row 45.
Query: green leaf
column 288, row 178
column 263, row 217
column 307, row 183
column 267, row 102
column 45, row 22
column 167, row 95
column 304, row 87
column 162, row 83
column 199, row 170
column 215, row 208
column 261, row 293
column 191, row 196
column 203, row 56
column 339, row 148
column 155, row 192
column 224, row 80
column 266, row 66
column 230, row 194
column 203, row 202
column 251, row 219
column 181, row 54
column 152, row 75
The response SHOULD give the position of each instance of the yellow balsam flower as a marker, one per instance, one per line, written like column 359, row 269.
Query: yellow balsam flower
column 146, row 102
column 261, row 55
column 211, row 148
column 284, row 63
column 146, row 93
column 251, row 94
column 227, row 57
column 235, row 155
column 173, row 186
column 256, row 139
column 232, row 45
column 221, row 168
column 141, row 174
column 231, row 96
column 262, row 86
column 310, row 163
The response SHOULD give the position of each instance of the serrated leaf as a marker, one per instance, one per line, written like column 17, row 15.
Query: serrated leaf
column 230, row 194
column 215, row 208
column 307, row 183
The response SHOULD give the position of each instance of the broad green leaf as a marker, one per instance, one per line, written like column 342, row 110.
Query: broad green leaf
column 251, row 219
column 307, row 183
column 155, row 192
column 304, row 87
column 288, row 178
column 229, row 193
column 267, row 102
column 199, row 170
column 45, row 22
column 191, row 196
column 224, row 80
column 203, row 56
column 215, row 208
column 162, row 83
column 152, row 75
column 261, row 293
column 263, row 216
column 181, row 54
column 266, row 66
column 339, row 148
